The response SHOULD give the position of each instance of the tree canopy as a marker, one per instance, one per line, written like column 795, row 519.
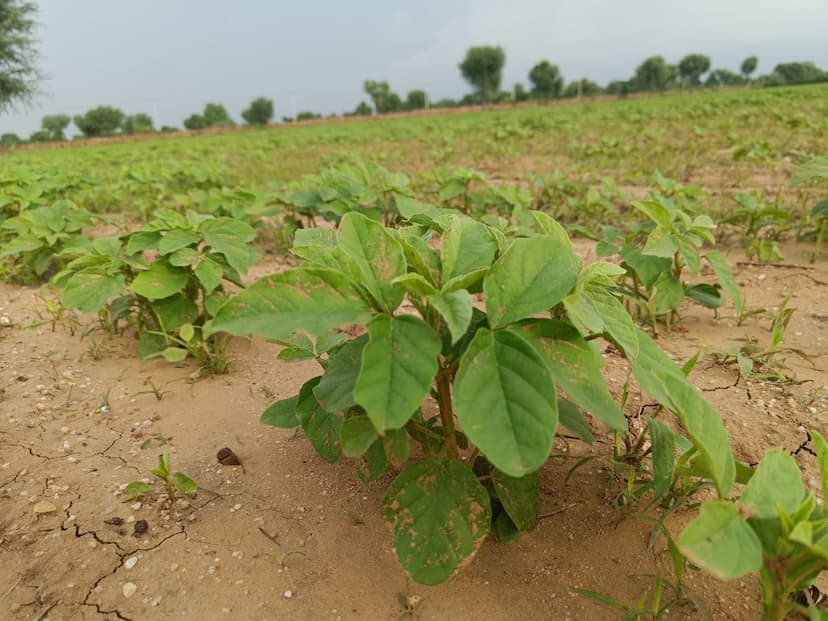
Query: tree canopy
column 547, row 81
column 260, row 111
column 483, row 68
column 19, row 72
column 692, row 67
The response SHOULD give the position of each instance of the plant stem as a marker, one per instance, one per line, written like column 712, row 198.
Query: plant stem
column 446, row 411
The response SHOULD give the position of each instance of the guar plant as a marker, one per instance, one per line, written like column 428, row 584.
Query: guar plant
column 32, row 240
column 672, row 242
column 816, row 168
column 776, row 528
column 476, row 382
column 172, row 299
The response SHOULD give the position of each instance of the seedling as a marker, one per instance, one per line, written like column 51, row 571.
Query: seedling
column 177, row 483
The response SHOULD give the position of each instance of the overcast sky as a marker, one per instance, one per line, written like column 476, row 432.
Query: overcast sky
column 169, row 57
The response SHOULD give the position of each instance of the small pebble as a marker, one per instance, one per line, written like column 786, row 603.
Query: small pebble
column 129, row 589
column 44, row 507
column 288, row 594
column 130, row 562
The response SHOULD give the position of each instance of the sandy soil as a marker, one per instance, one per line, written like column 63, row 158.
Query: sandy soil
column 291, row 536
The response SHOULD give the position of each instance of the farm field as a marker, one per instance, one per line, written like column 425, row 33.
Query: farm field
column 731, row 180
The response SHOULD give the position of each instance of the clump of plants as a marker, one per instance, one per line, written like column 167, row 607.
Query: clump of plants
column 494, row 352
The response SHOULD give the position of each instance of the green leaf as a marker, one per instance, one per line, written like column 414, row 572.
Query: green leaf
column 441, row 515
column 721, row 267
column 507, row 531
column 213, row 302
column 505, row 401
column 533, row 275
column 335, row 391
column 295, row 354
column 821, row 449
column 374, row 463
column 776, row 483
column 230, row 237
column 596, row 310
column 151, row 345
column 519, row 497
column 664, row 456
column 660, row 243
column 647, row 268
column 656, row 212
column 569, row 416
column 184, row 257
column 397, row 447
column 357, row 435
column 466, row 246
column 668, row 292
column 456, row 310
column 415, row 283
column 184, row 484
column 142, row 240
column 137, row 488
column 89, row 293
column 174, row 354
column 186, row 332
column 160, row 281
column 659, row 376
column 706, row 295
column 321, row 427
column 174, row 311
column 175, row 239
column 378, row 254
column 312, row 300
column 281, row 414
column 719, row 541
column 209, row 274
column 398, row 365
column 575, row 367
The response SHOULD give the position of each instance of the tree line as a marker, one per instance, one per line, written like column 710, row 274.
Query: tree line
column 482, row 68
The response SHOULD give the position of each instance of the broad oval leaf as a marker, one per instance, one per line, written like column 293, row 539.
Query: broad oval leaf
column 721, row 542
column 575, row 367
column 89, row 293
column 533, row 275
column 456, row 310
column 398, row 366
column 230, row 237
column 378, row 254
column 519, row 497
column 282, row 414
column 311, row 300
column 160, row 281
column 321, row 427
column 335, row 391
column 357, row 435
column 175, row 239
column 595, row 310
column 465, row 247
column 441, row 515
column 505, row 401
column 776, row 483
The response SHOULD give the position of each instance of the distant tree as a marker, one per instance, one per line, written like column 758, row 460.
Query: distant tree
column 520, row 93
column 723, row 77
column 444, row 103
column 482, row 68
column 195, row 122
column 692, row 67
column 385, row 100
column 140, row 123
column 168, row 129
column 56, row 125
column 10, row 140
column 654, row 74
column 619, row 87
column 749, row 65
column 363, row 109
column 547, row 82
column 216, row 115
column 100, row 121
column 799, row 73
column 416, row 100
column 260, row 111
column 40, row 136
column 307, row 115
column 19, row 73
column 583, row 87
